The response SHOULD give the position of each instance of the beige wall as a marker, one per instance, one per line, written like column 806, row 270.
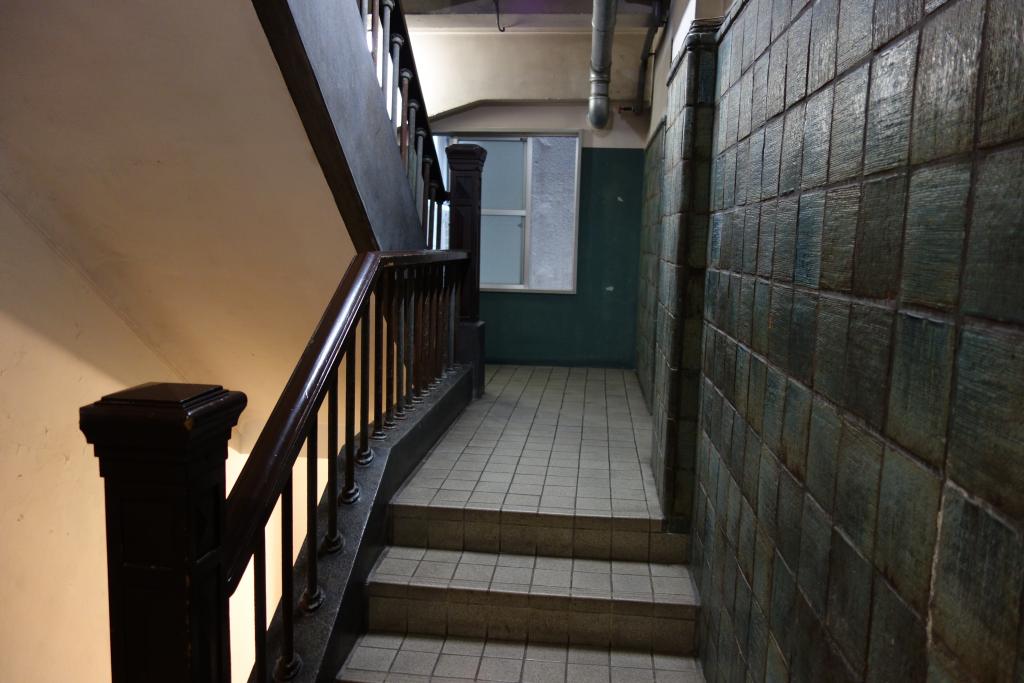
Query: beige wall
column 157, row 144
column 537, row 80
column 162, row 217
column 61, row 347
column 625, row 129
column 462, row 68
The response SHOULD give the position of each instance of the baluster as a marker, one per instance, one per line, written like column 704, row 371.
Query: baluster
column 414, row 347
column 418, row 169
column 435, row 334
column 365, row 454
column 428, row 326
column 412, row 161
column 397, row 42
column 406, row 345
column 440, row 226
column 374, row 35
column 363, row 10
column 417, row 308
column 259, row 586
column 442, row 328
column 390, row 351
column 432, row 316
column 405, row 138
column 428, row 332
column 400, row 368
column 455, row 313
column 385, row 21
column 428, row 329
column 445, row 316
column 312, row 597
column 333, row 540
column 442, row 325
column 351, row 492
column 378, row 358
column 289, row 663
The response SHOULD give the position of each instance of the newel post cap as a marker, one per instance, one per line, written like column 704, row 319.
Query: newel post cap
column 466, row 157
column 161, row 421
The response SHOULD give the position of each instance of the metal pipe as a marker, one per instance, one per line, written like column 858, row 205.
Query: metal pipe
column 603, row 24
column 645, row 57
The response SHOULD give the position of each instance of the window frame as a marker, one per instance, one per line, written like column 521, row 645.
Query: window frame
column 528, row 204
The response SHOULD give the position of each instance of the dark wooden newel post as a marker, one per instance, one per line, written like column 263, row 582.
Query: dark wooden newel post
column 162, row 451
column 466, row 163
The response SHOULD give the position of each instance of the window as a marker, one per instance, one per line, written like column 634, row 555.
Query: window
column 529, row 212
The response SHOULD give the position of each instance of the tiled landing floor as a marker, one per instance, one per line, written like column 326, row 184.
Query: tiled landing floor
column 386, row 657
column 548, row 440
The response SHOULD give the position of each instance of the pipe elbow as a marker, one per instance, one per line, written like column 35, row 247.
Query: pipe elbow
column 598, row 111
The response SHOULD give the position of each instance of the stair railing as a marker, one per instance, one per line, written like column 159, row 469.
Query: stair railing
column 387, row 37
column 415, row 292
column 177, row 546
column 177, row 542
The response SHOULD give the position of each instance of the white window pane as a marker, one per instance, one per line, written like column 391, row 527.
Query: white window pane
column 504, row 176
column 501, row 250
column 552, row 245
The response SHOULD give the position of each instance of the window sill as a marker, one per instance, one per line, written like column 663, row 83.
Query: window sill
column 521, row 289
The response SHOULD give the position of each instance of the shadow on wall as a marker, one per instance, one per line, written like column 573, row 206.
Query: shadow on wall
column 597, row 324
column 60, row 347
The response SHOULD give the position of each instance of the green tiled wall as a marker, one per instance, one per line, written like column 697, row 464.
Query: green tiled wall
column 859, row 506
column 673, row 256
column 596, row 325
column 650, row 244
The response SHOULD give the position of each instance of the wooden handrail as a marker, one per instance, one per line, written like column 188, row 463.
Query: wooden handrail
column 268, row 468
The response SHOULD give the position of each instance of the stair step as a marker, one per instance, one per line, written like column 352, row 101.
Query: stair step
column 380, row 657
column 637, row 605
column 639, row 537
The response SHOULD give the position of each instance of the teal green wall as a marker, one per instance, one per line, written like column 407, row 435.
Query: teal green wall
column 597, row 325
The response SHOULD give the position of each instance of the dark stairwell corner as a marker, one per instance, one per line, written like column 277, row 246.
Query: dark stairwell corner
column 579, row 341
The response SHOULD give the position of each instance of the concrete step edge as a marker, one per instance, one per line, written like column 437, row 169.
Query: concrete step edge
column 582, row 536
column 378, row 657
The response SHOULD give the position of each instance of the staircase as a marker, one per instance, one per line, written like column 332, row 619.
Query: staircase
column 530, row 546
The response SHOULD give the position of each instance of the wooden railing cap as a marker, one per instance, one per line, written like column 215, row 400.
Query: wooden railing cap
column 465, row 157
column 160, row 418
